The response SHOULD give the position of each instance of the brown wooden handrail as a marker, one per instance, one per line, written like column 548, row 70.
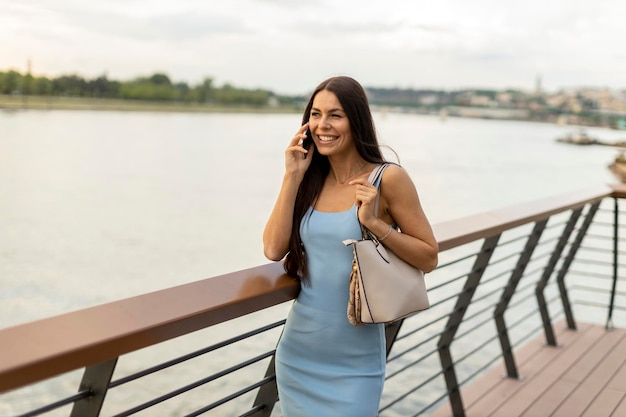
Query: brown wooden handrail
column 41, row 349
column 35, row 351
column 457, row 232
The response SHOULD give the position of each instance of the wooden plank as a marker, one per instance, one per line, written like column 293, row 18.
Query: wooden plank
column 527, row 367
column 543, row 371
column 557, row 394
column 588, row 375
column 594, row 357
column 479, row 388
column 493, row 383
column 619, row 380
column 578, row 376
column 592, row 384
column 621, row 409
column 605, row 404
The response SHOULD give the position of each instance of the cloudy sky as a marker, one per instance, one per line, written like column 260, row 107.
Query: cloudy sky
column 288, row 46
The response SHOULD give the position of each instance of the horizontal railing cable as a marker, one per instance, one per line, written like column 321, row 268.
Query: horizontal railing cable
column 530, row 273
column 589, row 274
column 448, row 282
column 420, row 328
column 461, row 259
column 597, row 304
column 430, row 405
column 590, row 236
column 253, row 411
column 512, row 240
column 412, row 363
column 596, row 262
column 58, row 404
column 504, row 259
column 445, row 300
column 412, row 390
column 493, row 278
column 194, row 385
column 520, row 298
column 545, row 242
column 596, row 249
column 476, row 349
column 412, row 348
column 588, row 288
column 195, row 354
column 233, row 396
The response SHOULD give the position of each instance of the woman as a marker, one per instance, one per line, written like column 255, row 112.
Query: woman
column 325, row 366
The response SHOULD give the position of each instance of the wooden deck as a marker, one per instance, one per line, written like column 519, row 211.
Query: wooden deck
column 584, row 376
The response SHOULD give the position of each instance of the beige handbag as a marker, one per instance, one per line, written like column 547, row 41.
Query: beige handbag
column 383, row 287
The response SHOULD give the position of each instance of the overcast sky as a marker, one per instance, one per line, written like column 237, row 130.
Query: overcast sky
column 289, row 46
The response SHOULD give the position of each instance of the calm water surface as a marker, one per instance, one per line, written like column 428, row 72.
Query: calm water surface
column 98, row 206
column 102, row 205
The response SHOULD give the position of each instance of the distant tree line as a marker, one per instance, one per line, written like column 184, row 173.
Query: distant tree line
column 436, row 99
column 157, row 87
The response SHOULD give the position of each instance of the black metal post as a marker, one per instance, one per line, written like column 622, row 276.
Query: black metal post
column 609, row 320
column 567, row 262
column 507, row 294
column 456, row 317
column 547, row 272
column 268, row 393
column 96, row 379
column 391, row 333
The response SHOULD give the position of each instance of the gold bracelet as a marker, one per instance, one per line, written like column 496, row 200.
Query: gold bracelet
column 386, row 234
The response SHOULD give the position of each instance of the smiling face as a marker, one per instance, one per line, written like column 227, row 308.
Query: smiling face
column 329, row 125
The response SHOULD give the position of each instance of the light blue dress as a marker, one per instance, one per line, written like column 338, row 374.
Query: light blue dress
column 325, row 367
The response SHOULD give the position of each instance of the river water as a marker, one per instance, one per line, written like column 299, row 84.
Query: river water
column 98, row 206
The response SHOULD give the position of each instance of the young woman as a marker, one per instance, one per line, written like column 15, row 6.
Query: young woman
column 325, row 366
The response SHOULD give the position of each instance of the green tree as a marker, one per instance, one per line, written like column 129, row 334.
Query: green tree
column 11, row 82
column 28, row 84
column 69, row 85
column 42, row 86
column 144, row 89
column 182, row 91
column 205, row 91
column 160, row 79
column 103, row 87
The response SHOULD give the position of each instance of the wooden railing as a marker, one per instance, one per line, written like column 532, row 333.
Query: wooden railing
column 94, row 338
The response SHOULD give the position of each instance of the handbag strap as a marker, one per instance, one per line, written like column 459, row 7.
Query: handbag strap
column 374, row 179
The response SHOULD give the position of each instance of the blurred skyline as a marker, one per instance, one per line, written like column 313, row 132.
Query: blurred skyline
column 289, row 47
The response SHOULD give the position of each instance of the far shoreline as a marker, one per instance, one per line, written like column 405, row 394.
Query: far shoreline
column 50, row 103
column 18, row 102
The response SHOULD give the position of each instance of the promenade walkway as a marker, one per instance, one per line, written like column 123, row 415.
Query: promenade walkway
column 584, row 376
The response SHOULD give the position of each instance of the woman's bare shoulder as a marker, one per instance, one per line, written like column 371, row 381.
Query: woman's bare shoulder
column 396, row 176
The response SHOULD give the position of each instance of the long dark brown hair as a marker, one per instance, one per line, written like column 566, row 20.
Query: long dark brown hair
column 354, row 101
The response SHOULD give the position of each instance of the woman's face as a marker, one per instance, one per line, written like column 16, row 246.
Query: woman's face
column 329, row 125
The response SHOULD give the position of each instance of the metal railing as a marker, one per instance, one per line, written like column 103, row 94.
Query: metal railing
column 207, row 348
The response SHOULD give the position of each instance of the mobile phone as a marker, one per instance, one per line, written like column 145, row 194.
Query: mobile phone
column 307, row 142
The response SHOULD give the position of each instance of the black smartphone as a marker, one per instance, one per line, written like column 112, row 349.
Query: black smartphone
column 307, row 142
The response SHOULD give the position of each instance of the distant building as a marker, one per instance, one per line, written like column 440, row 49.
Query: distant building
column 538, row 88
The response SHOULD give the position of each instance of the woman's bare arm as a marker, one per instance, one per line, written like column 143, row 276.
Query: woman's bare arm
column 400, row 204
column 277, row 231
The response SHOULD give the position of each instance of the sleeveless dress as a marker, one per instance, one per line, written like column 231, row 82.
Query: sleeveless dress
column 325, row 367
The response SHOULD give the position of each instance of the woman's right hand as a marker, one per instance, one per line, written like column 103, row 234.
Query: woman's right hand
column 297, row 158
